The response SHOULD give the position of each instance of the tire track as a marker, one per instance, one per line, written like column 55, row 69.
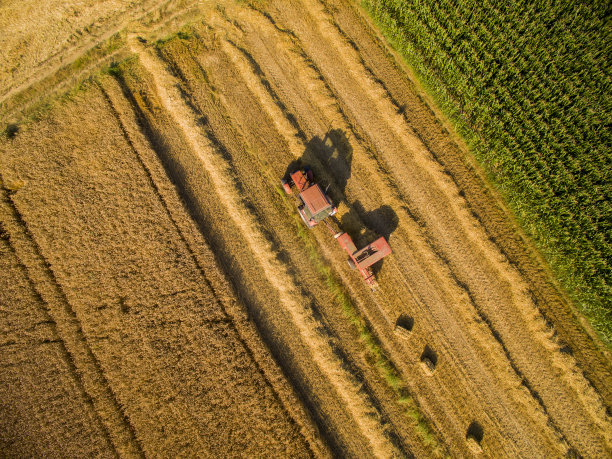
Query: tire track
column 8, row 213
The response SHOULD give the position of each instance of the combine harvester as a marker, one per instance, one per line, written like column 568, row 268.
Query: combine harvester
column 314, row 206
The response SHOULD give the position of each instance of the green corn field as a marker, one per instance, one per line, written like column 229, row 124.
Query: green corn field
column 528, row 86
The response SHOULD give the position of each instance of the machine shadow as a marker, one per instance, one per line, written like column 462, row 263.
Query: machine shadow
column 330, row 159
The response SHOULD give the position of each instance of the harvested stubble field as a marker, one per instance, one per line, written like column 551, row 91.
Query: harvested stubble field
column 160, row 298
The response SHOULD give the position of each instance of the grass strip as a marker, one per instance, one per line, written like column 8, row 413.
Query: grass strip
column 44, row 92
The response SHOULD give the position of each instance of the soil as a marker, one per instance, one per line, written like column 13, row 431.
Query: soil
column 145, row 227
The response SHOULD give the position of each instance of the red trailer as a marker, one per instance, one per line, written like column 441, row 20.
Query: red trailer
column 364, row 258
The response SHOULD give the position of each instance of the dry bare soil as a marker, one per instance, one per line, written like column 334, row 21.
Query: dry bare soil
column 159, row 299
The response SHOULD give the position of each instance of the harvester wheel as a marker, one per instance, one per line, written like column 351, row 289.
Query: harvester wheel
column 351, row 263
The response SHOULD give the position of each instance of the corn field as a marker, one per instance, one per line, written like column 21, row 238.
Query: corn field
column 528, row 86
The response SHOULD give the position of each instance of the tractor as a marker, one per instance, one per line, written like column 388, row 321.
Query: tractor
column 314, row 206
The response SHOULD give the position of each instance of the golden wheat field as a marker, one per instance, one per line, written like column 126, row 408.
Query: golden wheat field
column 160, row 296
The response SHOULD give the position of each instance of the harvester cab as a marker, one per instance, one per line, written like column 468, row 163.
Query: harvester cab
column 313, row 204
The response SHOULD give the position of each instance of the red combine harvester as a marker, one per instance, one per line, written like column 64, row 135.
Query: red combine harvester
column 314, row 206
